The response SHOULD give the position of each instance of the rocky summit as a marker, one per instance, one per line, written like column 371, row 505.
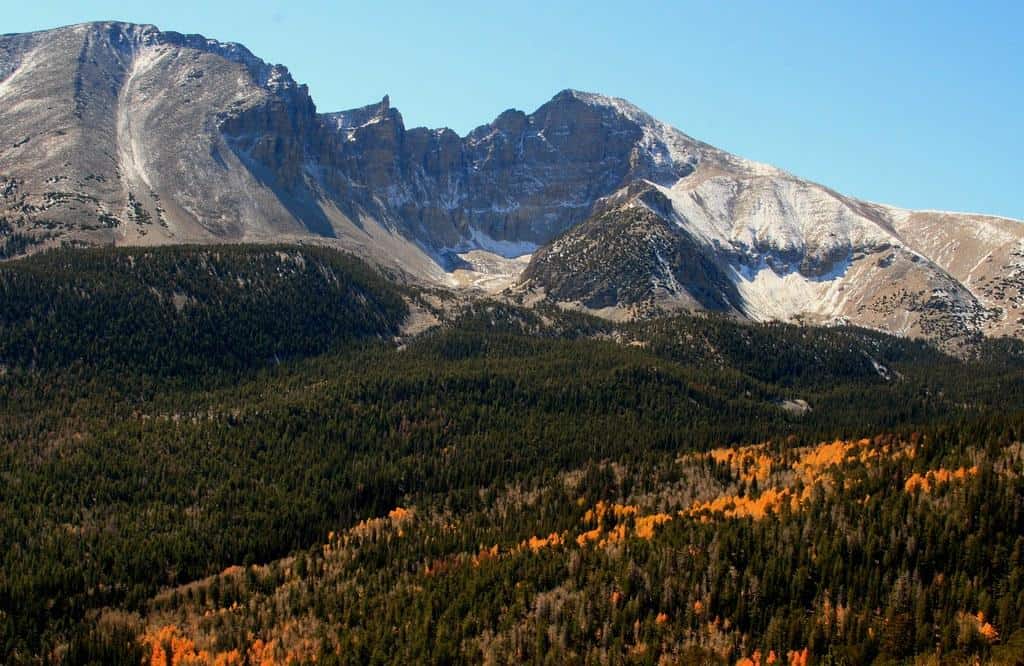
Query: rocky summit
column 113, row 133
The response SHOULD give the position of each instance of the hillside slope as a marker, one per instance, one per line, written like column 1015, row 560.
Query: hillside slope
column 186, row 311
column 451, row 499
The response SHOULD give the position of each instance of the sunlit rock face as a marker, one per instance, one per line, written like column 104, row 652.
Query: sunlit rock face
column 522, row 179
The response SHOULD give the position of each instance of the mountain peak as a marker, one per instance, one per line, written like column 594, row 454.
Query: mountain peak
column 351, row 119
column 620, row 106
column 126, row 36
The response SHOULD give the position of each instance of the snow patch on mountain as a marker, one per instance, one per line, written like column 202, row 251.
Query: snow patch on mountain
column 132, row 153
column 486, row 271
column 16, row 69
column 772, row 295
column 503, row 248
column 780, row 220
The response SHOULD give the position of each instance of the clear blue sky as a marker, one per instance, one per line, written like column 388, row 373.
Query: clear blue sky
column 914, row 104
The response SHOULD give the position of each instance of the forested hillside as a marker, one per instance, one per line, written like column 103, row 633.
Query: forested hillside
column 218, row 455
column 181, row 310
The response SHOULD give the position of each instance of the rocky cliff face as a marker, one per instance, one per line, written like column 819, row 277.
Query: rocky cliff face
column 120, row 133
column 112, row 132
column 520, row 180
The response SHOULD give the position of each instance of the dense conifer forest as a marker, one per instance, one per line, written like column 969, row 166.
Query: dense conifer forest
column 240, row 455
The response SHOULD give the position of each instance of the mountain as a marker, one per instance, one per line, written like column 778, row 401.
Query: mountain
column 114, row 133
column 776, row 248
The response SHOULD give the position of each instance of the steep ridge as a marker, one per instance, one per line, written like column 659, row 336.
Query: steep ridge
column 630, row 259
column 114, row 133
column 801, row 250
column 122, row 134
column 512, row 184
column 761, row 248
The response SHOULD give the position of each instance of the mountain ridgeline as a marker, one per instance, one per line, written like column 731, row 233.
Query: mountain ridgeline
column 92, row 118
